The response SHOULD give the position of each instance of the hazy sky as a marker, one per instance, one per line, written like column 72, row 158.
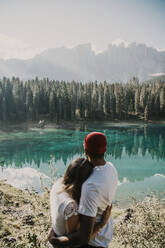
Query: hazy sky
column 29, row 26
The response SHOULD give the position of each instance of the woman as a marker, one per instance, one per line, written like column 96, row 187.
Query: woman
column 64, row 203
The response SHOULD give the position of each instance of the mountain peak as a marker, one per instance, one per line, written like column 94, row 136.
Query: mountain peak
column 119, row 42
column 120, row 62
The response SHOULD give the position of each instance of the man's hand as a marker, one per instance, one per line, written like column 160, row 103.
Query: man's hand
column 105, row 216
column 81, row 237
column 51, row 237
column 54, row 240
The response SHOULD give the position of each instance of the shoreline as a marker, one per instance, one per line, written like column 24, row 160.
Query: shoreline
column 74, row 124
column 25, row 219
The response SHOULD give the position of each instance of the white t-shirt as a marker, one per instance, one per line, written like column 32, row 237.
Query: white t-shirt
column 97, row 192
column 62, row 207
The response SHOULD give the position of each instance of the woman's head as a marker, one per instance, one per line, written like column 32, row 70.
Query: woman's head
column 76, row 174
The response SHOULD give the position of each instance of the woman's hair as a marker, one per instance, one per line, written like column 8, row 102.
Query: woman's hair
column 76, row 174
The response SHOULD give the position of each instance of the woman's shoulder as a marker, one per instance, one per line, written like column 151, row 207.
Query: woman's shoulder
column 57, row 186
column 66, row 199
column 70, row 209
column 66, row 205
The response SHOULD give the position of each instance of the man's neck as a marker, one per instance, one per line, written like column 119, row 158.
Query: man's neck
column 99, row 162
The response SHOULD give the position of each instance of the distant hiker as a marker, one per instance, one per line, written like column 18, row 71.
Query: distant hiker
column 41, row 124
column 97, row 193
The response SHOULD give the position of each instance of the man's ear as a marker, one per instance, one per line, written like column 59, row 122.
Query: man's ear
column 85, row 152
column 87, row 155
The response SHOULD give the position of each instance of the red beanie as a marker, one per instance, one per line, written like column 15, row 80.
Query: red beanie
column 96, row 143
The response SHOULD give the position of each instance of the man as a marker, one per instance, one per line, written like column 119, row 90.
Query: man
column 97, row 193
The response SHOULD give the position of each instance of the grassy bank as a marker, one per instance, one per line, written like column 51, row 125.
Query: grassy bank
column 24, row 218
column 25, row 221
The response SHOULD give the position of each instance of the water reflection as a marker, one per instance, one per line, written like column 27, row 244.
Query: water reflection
column 149, row 139
column 137, row 151
column 140, row 189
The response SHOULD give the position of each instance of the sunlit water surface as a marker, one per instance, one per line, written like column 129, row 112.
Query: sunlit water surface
column 32, row 157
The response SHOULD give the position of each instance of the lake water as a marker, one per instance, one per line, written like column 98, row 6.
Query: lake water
column 136, row 150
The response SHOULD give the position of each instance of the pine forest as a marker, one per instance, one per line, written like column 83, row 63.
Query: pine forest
column 52, row 100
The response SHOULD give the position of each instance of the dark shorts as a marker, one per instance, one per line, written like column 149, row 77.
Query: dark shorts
column 90, row 246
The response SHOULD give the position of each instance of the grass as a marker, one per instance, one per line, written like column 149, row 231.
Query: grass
column 24, row 218
column 25, row 221
column 142, row 226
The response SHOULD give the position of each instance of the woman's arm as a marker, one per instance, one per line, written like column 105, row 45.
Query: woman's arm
column 71, row 217
column 72, row 224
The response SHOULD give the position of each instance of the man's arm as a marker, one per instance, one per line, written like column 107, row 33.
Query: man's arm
column 88, row 230
column 104, row 219
column 78, row 238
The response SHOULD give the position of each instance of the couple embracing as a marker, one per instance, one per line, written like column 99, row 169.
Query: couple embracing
column 81, row 202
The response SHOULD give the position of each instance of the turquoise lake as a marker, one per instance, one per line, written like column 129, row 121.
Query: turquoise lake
column 136, row 150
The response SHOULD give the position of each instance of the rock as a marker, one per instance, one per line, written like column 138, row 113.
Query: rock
column 25, row 201
column 9, row 240
column 28, row 220
column 6, row 211
column 4, row 234
column 1, row 195
column 129, row 214
column 17, row 204
column 40, row 214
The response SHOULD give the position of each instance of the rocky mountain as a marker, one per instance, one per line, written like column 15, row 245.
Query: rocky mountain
column 116, row 63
